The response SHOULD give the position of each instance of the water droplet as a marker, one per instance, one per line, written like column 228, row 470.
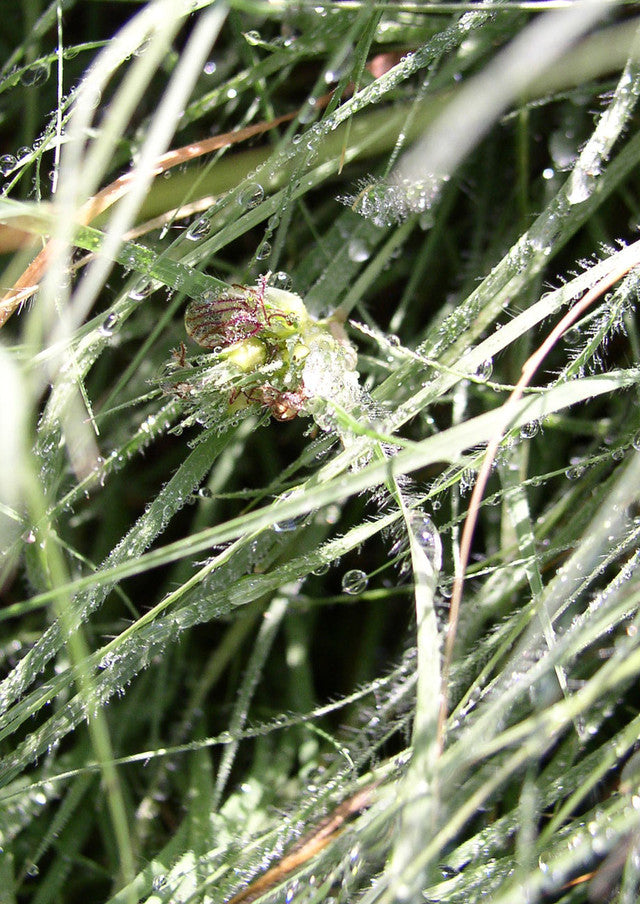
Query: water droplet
column 252, row 37
column 340, row 66
column 580, row 186
column 563, row 149
column 308, row 111
column 109, row 324
column 288, row 524
column 29, row 536
column 528, row 431
column 205, row 493
column 141, row 290
column 354, row 582
column 210, row 67
column 485, row 370
column 573, row 337
column 427, row 537
column 264, row 250
column 575, row 472
column 199, row 230
column 467, row 479
column 32, row 870
column 321, row 569
column 251, row 195
column 332, row 514
column 35, row 75
column 358, row 250
column 7, row 164
column 281, row 280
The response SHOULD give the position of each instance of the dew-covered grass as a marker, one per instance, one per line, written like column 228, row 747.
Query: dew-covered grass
column 329, row 591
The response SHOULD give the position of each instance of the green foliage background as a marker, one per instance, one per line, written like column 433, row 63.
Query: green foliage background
column 217, row 628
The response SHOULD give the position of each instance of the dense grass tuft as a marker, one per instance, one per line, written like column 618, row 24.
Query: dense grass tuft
column 261, row 638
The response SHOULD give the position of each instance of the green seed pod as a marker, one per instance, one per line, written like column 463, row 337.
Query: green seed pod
column 247, row 355
column 220, row 319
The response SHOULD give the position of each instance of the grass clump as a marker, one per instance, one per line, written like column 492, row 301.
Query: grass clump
column 327, row 592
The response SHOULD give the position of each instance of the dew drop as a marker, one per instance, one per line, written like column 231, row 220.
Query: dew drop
column 340, row 67
column 264, row 250
column 467, row 479
column 332, row 514
column 580, row 186
column 354, row 582
column 427, row 537
column 528, row 431
column 308, row 112
column 281, row 280
column 485, row 370
column 573, row 337
column 358, row 250
column 200, row 229
column 108, row 324
column 7, row 164
column 141, row 290
column 35, row 75
column 251, row 195
column 288, row 524
column 107, row 661
column 321, row 569
column 563, row 149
